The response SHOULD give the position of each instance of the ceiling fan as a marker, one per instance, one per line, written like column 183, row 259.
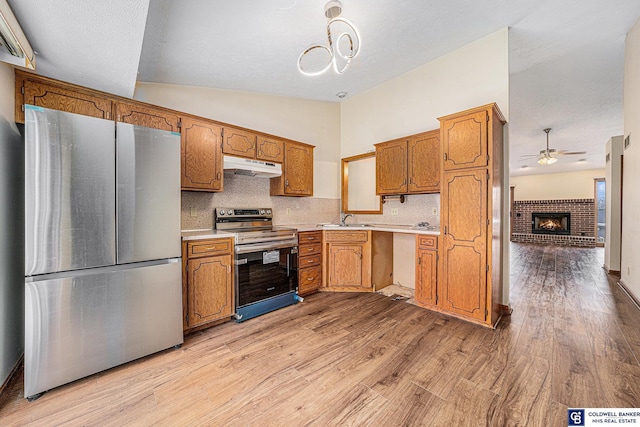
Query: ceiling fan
column 549, row 156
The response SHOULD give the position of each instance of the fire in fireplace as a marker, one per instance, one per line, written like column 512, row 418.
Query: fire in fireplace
column 551, row 223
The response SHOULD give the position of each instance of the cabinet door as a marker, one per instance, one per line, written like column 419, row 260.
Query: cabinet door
column 238, row 142
column 464, row 243
column 424, row 163
column 345, row 264
column 201, row 156
column 298, row 170
column 426, row 277
column 210, row 289
column 270, row 149
column 464, row 141
column 391, row 167
column 46, row 95
column 147, row 116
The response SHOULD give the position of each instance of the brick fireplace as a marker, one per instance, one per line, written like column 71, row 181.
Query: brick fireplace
column 569, row 222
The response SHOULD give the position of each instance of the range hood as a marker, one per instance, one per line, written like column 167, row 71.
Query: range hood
column 251, row 167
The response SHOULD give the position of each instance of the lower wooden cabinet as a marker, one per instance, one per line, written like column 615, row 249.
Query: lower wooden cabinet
column 347, row 256
column 208, row 282
column 309, row 262
column 426, row 271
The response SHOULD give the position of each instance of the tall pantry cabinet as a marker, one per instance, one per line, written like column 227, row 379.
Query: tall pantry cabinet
column 471, row 204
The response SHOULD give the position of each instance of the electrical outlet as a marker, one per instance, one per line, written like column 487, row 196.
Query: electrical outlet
column 434, row 211
column 394, row 211
column 288, row 211
column 193, row 212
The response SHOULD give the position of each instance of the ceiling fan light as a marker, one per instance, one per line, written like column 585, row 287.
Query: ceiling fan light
column 547, row 160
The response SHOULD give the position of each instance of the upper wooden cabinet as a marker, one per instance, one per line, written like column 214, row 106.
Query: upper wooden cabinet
column 297, row 171
column 270, row 149
column 242, row 143
column 424, row 162
column 43, row 92
column 238, row 142
column 464, row 140
column 391, row 167
column 409, row 165
column 146, row 115
column 201, row 155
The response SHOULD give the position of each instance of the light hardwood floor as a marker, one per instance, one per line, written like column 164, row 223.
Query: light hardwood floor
column 363, row 359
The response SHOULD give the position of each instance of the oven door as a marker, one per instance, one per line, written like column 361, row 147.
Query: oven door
column 265, row 274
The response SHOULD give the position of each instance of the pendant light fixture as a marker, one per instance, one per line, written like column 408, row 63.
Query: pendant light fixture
column 337, row 58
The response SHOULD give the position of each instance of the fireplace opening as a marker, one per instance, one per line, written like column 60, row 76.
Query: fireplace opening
column 551, row 223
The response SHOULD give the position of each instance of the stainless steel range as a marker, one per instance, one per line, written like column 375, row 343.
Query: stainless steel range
column 266, row 259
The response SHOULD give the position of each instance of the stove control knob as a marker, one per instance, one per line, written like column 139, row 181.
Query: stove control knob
column 221, row 212
column 268, row 211
column 261, row 211
column 230, row 212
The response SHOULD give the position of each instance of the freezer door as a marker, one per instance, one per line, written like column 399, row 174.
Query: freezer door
column 69, row 191
column 148, row 193
column 77, row 326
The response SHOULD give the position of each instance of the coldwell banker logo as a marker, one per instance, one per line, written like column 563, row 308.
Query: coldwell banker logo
column 576, row 417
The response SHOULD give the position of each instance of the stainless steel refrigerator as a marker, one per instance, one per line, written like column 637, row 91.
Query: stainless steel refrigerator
column 103, row 279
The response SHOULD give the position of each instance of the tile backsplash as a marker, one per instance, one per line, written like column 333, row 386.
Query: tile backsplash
column 249, row 192
column 416, row 208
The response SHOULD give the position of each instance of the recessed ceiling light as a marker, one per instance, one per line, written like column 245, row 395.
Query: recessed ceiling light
column 341, row 94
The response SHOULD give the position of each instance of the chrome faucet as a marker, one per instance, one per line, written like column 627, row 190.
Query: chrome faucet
column 343, row 218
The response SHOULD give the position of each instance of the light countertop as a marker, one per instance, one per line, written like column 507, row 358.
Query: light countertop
column 204, row 234
column 392, row 228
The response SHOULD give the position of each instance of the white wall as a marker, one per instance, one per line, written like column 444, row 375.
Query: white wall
column 312, row 122
column 556, row 186
column 474, row 75
column 12, row 226
column 630, row 262
column 613, row 205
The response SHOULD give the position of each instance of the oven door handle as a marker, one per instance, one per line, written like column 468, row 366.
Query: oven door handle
column 261, row 247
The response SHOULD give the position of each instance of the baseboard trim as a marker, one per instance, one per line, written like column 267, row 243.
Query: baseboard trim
column 630, row 294
column 612, row 272
column 11, row 380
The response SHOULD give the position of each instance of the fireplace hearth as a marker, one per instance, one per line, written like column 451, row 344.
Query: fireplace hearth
column 551, row 223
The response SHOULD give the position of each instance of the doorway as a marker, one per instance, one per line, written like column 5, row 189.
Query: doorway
column 600, row 192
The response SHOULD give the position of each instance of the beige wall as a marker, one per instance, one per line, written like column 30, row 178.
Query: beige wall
column 7, row 89
column 630, row 260
column 312, row 122
column 475, row 74
column 613, row 211
column 555, row 186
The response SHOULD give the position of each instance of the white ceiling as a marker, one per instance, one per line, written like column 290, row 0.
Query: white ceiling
column 566, row 58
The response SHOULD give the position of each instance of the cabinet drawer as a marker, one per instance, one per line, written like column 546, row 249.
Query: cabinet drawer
column 312, row 249
column 200, row 248
column 347, row 236
column 428, row 242
column 309, row 279
column 309, row 261
column 309, row 237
